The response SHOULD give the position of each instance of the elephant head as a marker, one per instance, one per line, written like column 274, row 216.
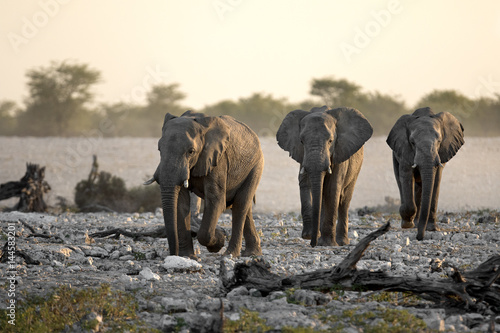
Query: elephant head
column 319, row 139
column 425, row 141
column 190, row 146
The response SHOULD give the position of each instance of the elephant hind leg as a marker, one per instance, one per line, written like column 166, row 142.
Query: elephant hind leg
column 252, row 240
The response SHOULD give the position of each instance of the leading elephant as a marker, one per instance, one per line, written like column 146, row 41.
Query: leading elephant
column 421, row 144
column 221, row 161
column 328, row 144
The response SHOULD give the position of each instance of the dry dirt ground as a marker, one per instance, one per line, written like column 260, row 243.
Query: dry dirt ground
column 187, row 296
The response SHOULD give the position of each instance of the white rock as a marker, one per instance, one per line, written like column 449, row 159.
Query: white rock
column 148, row 274
column 181, row 264
column 57, row 263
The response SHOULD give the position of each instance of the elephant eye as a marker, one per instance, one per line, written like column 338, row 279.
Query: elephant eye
column 330, row 141
column 191, row 151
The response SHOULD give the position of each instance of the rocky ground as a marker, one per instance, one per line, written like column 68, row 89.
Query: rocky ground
column 175, row 294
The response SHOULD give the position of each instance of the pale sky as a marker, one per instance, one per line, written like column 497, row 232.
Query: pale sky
column 226, row 49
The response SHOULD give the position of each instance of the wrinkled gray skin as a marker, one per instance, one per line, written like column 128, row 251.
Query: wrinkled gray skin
column 421, row 144
column 328, row 144
column 220, row 160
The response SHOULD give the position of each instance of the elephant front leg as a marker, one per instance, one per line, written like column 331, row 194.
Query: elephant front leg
column 208, row 234
column 407, row 210
column 343, row 224
column 305, row 206
column 432, row 220
column 184, row 225
column 331, row 195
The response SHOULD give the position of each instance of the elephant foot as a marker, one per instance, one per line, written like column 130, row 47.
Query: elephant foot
column 193, row 257
column 306, row 234
column 251, row 252
column 215, row 248
column 343, row 241
column 327, row 241
column 407, row 224
column 219, row 242
column 187, row 254
column 233, row 253
column 432, row 227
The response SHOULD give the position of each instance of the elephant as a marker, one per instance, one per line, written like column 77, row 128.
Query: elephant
column 221, row 161
column 421, row 144
column 328, row 145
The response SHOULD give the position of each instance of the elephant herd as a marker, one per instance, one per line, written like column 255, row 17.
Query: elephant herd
column 220, row 160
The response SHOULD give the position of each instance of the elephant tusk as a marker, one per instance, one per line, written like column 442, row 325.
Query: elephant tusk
column 186, row 183
column 302, row 170
column 330, row 170
column 414, row 166
column 149, row 181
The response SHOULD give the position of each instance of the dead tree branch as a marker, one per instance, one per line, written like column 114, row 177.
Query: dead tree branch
column 479, row 291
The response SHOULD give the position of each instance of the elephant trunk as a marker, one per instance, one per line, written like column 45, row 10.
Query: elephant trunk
column 169, row 199
column 428, row 174
column 317, row 180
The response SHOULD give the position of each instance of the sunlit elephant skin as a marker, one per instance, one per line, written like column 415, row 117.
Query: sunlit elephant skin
column 221, row 161
column 328, row 145
column 421, row 144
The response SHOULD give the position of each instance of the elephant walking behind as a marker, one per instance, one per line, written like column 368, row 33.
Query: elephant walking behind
column 421, row 144
column 221, row 161
column 328, row 145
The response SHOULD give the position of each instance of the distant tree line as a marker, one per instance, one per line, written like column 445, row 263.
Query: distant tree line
column 61, row 102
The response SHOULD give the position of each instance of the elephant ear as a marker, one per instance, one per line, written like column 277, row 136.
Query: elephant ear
column 352, row 131
column 288, row 134
column 167, row 118
column 453, row 136
column 216, row 141
column 398, row 139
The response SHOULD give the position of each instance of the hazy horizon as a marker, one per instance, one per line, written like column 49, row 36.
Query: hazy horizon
column 227, row 49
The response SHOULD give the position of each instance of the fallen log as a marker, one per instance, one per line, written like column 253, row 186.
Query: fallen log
column 29, row 189
column 480, row 291
column 115, row 233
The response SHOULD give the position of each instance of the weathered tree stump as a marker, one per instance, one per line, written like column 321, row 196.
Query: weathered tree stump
column 30, row 190
column 477, row 290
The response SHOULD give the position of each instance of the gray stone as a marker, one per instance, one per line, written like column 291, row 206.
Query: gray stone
column 236, row 292
column 127, row 257
column 172, row 305
column 115, row 255
column 308, row 297
column 210, row 304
